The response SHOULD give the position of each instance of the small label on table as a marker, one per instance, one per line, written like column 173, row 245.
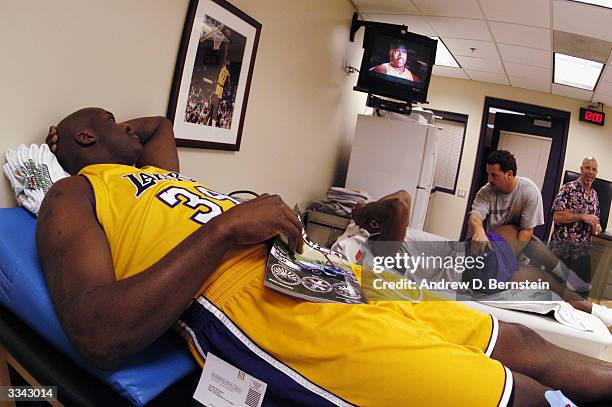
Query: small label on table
column 223, row 385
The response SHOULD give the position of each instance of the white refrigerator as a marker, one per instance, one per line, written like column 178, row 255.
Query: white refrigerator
column 392, row 153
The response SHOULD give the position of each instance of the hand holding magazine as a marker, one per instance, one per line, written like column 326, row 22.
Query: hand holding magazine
column 318, row 274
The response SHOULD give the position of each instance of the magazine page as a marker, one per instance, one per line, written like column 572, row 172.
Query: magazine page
column 318, row 274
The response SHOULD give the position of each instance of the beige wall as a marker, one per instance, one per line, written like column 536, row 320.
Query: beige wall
column 120, row 55
column 59, row 56
column 446, row 212
column 62, row 55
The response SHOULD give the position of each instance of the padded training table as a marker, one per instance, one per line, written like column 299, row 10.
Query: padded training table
column 39, row 363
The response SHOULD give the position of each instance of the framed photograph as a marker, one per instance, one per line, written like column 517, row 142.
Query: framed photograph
column 210, row 90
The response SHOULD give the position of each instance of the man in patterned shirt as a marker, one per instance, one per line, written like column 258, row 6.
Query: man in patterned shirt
column 576, row 217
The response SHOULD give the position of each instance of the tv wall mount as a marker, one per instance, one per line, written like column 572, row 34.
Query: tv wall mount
column 385, row 104
column 356, row 24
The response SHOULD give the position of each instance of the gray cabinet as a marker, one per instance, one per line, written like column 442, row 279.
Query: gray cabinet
column 323, row 228
column 601, row 263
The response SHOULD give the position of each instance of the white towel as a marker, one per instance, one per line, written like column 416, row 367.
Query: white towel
column 32, row 171
column 563, row 312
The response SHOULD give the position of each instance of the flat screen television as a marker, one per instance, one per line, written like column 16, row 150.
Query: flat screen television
column 396, row 64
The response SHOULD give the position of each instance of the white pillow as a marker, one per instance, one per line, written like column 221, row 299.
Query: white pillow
column 31, row 172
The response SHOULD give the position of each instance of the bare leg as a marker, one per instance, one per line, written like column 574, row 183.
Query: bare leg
column 581, row 378
column 527, row 391
column 537, row 250
column 510, row 233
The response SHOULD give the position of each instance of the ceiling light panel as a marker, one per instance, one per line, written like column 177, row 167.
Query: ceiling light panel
column 443, row 56
column 602, row 3
column 577, row 72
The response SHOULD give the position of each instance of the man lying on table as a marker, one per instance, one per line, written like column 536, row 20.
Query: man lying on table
column 130, row 249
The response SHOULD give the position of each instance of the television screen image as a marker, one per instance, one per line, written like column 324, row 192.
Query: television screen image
column 396, row 65
column 401, row 60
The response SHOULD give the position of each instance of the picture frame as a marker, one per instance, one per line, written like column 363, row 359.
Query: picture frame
column 212, row 76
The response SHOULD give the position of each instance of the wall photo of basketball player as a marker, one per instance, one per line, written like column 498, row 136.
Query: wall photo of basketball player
column 214, row 82
column 212, row 75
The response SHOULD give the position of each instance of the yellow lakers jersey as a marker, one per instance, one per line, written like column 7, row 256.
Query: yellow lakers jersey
column 223, row 74
column 146, row 212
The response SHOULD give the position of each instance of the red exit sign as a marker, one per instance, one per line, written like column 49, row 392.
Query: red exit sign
column 592, row 116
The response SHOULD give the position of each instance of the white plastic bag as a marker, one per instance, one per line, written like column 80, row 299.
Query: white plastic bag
column 31, row 172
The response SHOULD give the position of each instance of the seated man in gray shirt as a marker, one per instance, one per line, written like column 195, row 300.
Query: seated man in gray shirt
column 505, row 200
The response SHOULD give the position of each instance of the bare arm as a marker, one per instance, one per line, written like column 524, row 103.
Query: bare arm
column 562, row 206
column 571, row 217
column 480, row 241
column 155, row 134
column 475, row 224
column 157, row 137
column 566, row 217
column 108, row 320
column 390, row 216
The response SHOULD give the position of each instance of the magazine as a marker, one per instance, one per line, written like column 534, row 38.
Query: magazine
column 318, row 274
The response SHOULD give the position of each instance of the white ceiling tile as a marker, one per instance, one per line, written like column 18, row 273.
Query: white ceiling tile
column 460, row 28
column 386, row 6
column 530, row 83
column 415, row 24
column 583, row 19
column 528, row 71
column 523, row 55
column 524, row 35
column 449, row 72
column 598, row 97
column 483, row 49
column 488, row 77
column 607, row 74
column 452, row 8
column 604, row 88
column 479, row 64
column 528, row 12
column 571, row 92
